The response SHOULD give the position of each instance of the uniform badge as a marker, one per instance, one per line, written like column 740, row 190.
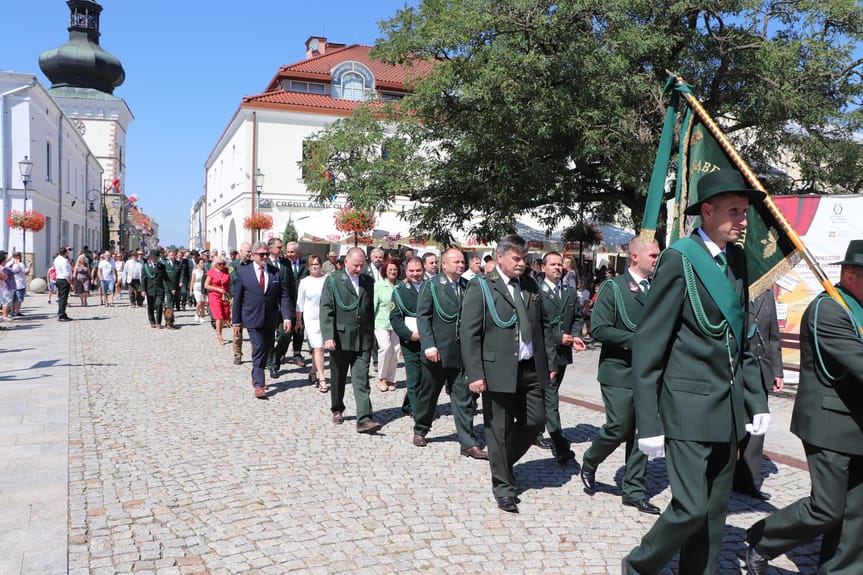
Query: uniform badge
column 633, row 287
column 392, row 306
column 442, row 280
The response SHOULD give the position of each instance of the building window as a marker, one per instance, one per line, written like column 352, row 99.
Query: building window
column 308, row 87
column 390, row 96
column 48, row 162
column 353, row 87
column 353, row 81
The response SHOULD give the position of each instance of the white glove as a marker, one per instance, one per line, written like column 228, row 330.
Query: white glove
column 652, row 446
column 759, row 425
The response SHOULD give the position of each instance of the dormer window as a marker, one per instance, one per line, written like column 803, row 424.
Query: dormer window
column 353, row 81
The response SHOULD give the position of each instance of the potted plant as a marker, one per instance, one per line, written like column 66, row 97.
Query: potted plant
column 26, row 220
column 258, row 221
column 354, row 220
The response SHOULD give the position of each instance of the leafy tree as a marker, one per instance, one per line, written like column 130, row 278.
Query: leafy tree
column 290, row 234
column 555, row 108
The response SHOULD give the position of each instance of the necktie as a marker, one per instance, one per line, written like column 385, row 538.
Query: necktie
column 455, row 288
column 261, row 279
column 645, row 284
column 521, row 312
column 722, row 261
column 557, row 290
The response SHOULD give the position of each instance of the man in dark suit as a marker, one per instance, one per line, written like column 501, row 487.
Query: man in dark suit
column 403, row 318
column 827, row 416
column 244, row 259
column 293, row 258
column 696, row 383
column 172, row 278
column 616, row 314
column 261, row 301
column 347, row 326
column 765, row 346
column 438, row 311
column 508, row 360
column 153, row 280
column 283, row 338
column 562, row 320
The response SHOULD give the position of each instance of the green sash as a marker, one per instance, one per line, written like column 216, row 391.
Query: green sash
column 853, row 305
column 715, row 282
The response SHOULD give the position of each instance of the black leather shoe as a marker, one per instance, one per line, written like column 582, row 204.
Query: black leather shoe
column 754, row 493
column 566, row 457
column 475, row 453
column 274, row 373
column 588, row 479
column 420, row 441
column 507, row 504
column 756, row 563
column 643, row 505
column 543, row 443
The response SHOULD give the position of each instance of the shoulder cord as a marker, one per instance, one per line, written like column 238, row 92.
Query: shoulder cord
column 338, row 298
column 398, row 299
column 489, row 304
column 449, row 318
column 829, row 375
column 714, row 330
column 619, row 307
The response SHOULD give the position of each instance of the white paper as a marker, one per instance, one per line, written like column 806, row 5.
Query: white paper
column 411, row 324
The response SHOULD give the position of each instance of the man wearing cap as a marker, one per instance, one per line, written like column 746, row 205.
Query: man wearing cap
column 827, row 415
column 696, row 384
column 153, row 279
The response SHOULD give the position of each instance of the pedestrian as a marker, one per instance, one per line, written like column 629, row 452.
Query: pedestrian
column 388, row 340
column 7, row 285
column 616, row 315
column 81, row 273
column 153, row 288
column 695, row 380
column 403, row 318
column 51, row 280
column 430, row 264
column 244, row 258
column 506, row 360
column 283, row 338
column 132, row 271
column 329, row 266
column 107, row 278
column 347, row 325
column 764, row 343
column 563, row 324
column 218, row 286
column 195, row 281
column 293, row 257
column 63, row 271
column 261, row 301
column 439, row 308
column 828, row 409
column 21, row 272
column 308, row 314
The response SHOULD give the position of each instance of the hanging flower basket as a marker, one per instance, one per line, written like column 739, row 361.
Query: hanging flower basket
column 352, row 220
column 258, row 221
column 585, row 233
column 28, row 220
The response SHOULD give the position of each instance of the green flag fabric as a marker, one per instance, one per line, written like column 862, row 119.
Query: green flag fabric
column 769, row 252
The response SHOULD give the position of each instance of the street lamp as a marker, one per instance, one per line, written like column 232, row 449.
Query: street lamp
column 259, row 187
column 25, row 167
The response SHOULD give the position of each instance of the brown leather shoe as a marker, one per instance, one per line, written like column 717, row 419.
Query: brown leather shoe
column 260, row 392
column 475, row 452
column 337, row 418
column 420, row 441
column 370, row 426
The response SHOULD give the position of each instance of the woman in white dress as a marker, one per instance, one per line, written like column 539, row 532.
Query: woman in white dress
column 197, row 275
column 308, row 311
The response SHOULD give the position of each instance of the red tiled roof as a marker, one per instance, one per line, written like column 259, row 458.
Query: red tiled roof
column 317, row 69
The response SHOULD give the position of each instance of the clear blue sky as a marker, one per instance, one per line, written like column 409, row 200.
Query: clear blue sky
column 188, row 65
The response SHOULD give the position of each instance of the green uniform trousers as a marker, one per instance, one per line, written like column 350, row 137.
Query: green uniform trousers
column 413, row 373
column 462, row 402
column 552, row 413
column 700, row 477
column 834, row 509
column 619, row 428
column 280, row 347
column 358, row 363
column 512, row 422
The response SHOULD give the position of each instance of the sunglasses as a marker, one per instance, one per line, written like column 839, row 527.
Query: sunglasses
column 262, row 254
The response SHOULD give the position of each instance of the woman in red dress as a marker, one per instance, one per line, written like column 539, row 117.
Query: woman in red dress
column 218, row 285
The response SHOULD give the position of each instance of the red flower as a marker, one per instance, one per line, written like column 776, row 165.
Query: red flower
column 353, row 220
column 28, row 220
column 258, row 221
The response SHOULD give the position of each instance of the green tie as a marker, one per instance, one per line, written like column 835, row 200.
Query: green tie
column 722, row 261
column 557, row 290
column 521, row 311
column 645, row 284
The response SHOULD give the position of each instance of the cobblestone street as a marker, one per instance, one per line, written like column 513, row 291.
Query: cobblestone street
column 128, row 449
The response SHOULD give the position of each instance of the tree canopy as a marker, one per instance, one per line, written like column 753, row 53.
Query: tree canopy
column 555, row 108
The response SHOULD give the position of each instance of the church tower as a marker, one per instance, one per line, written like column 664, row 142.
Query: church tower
column 83, row 78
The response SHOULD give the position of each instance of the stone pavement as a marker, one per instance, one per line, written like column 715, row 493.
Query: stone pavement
column 128, row 449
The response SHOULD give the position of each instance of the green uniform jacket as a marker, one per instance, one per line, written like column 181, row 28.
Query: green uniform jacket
column 684, row 385
column 490, row 352
column 561, row 315
column 352, row 330
column 608, row 326
column 173, row 269
column 153, row 285
column 409, row 298
column 435, row 330
column 828, row 412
